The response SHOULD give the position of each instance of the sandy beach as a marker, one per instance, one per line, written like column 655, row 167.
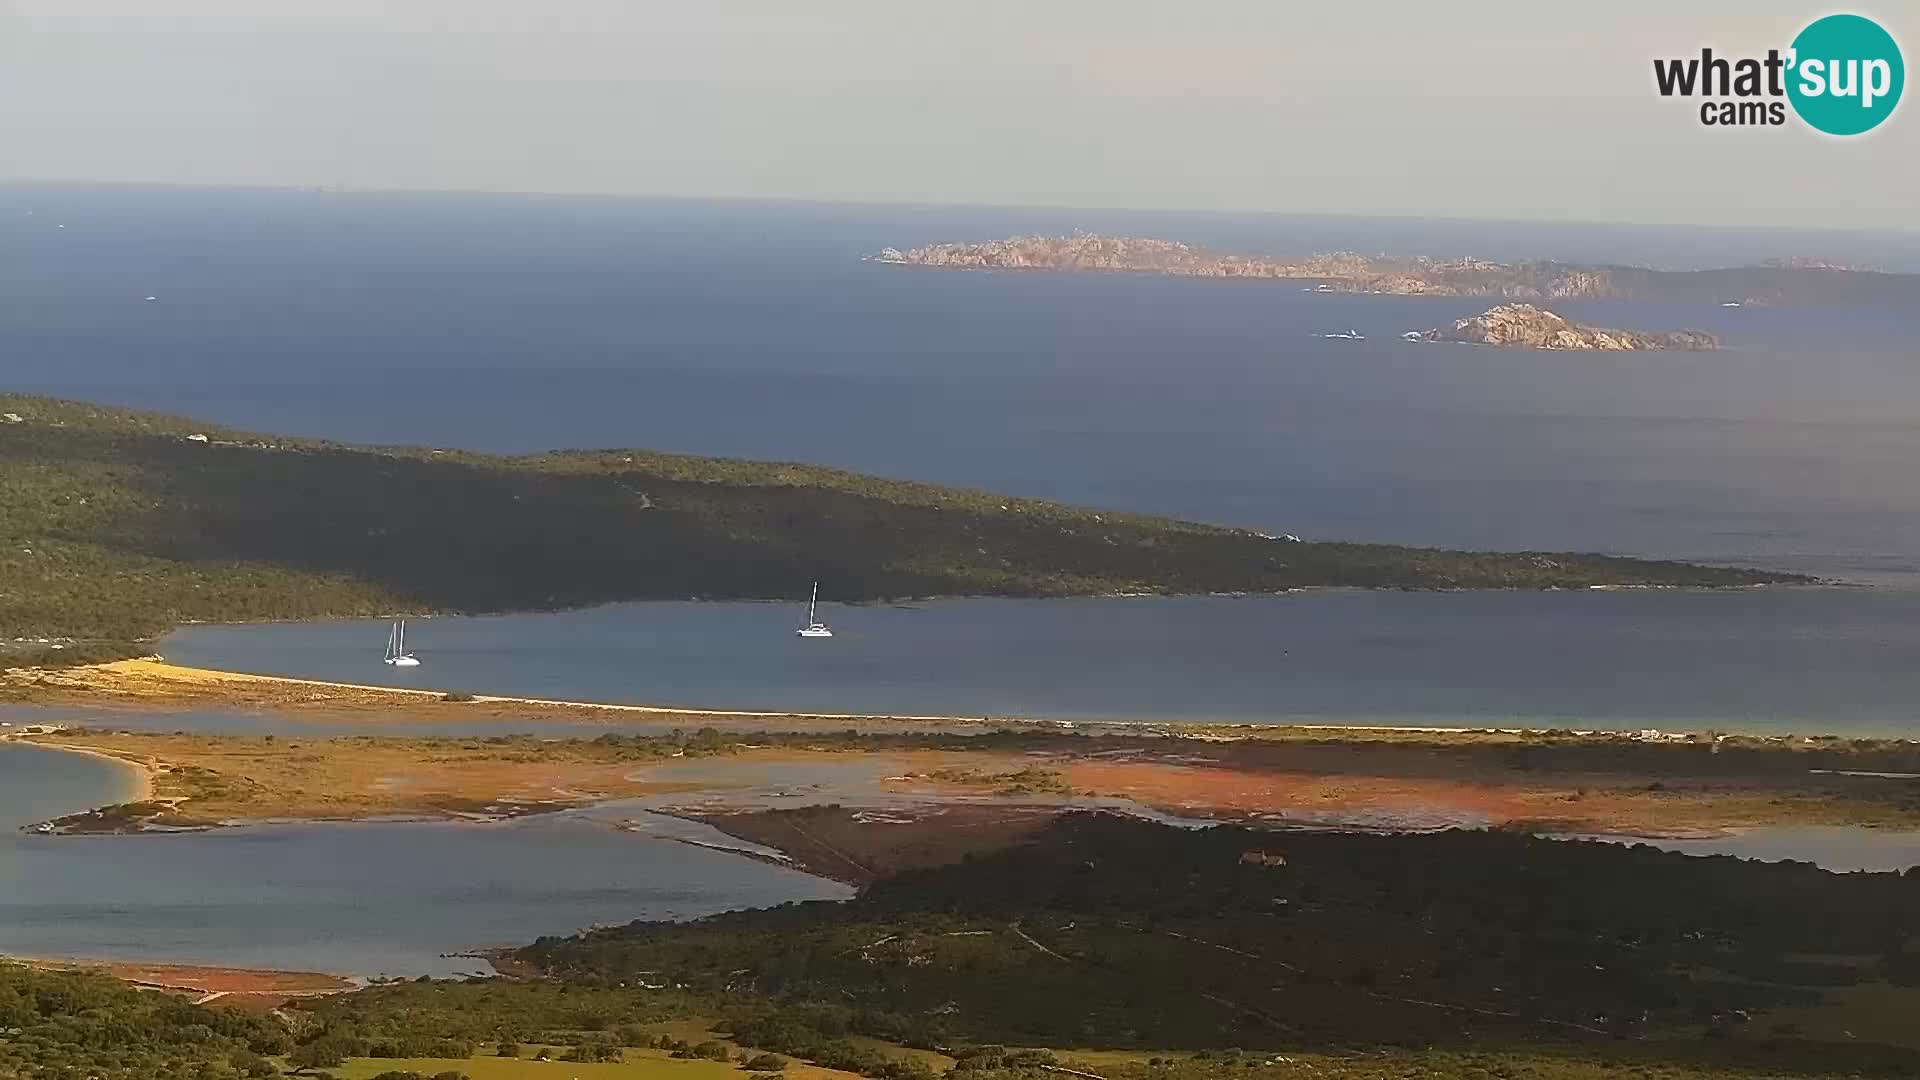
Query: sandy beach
column 859, row 797
column 1652, row 784
column 156, row 684
column 137, row 769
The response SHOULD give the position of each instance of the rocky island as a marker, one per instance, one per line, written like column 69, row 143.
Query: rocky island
column 1525, row 326
column 1798, row 281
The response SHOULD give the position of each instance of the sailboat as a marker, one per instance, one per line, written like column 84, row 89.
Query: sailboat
column 397, row 654
column 814, row 627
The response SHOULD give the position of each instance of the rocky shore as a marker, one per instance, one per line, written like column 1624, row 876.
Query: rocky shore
column 1797, row 280
column 1338, row 272
column 1525, row 326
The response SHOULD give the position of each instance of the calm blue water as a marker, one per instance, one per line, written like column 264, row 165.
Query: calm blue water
column 39, row 784
column 1826, row 660
column 224, row 721
column 520, row 323
column 364, row 899
column 1838, row 848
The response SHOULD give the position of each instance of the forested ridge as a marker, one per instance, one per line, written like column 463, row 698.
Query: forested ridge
column 1125, row 950
column 1117, row 933
column 120, row 524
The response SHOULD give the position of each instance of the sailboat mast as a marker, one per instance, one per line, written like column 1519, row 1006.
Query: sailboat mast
column 400, row 647
column 811, row 603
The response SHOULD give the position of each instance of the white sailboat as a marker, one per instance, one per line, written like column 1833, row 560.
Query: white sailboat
column 397, row 654
column 814, row 627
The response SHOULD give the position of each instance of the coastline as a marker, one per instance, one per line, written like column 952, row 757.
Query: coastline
column 943, row 805
column 140, row 772
column 1650, row 783
column 157, row 684
column 265, row 987
column 151, row 682
column 1363, row 779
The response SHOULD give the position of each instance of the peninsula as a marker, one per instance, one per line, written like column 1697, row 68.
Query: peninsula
column 1017, row 920
column 1796, row 281
column 120, row 525
column 1528, row 327
column 1271, row 776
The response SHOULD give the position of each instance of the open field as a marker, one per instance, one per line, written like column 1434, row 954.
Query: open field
column 214, row 779
column 636, row 1064
column 246, row 987
column 860, row 847
column 640, row 1065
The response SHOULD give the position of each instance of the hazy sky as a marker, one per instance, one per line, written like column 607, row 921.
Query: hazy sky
column 1527, row 109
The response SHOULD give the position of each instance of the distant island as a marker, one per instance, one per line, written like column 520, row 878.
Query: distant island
column 1789, row 281
column 120, row 525
column 1527, row 327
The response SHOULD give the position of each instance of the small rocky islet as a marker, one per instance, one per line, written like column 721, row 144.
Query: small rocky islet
column 1524, row 326
column 1518, row 325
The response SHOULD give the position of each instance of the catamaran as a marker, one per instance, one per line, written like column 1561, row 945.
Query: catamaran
column 814, row 627
column 397, row 654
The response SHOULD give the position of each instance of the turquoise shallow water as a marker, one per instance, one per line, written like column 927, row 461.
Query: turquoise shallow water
column 1805, row 660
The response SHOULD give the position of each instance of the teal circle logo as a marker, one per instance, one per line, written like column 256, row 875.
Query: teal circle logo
column 1846, row 74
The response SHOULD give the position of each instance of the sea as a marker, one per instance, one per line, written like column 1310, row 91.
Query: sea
column 520, row 323
column 524, row 323
column 1771, row 661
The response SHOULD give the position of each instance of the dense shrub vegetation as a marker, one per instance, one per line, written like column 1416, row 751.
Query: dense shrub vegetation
column 1482, row 955
column 117, row 526
column 61, row 1025
column 1114, row 933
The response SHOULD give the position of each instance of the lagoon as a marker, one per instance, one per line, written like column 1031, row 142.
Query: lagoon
column 369, row 898
column 1812, row 660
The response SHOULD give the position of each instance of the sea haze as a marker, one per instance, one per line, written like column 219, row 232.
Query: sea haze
column 524, row 323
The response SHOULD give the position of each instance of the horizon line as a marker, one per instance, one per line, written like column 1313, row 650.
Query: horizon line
column 1912, row 232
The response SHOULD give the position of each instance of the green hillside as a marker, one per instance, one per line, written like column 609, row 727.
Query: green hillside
column 1129, row 935
column 116, row 525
